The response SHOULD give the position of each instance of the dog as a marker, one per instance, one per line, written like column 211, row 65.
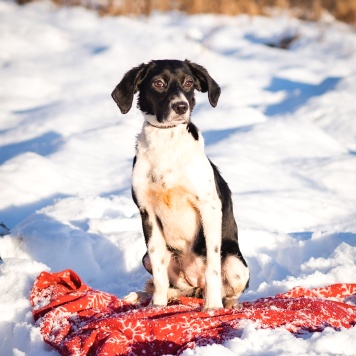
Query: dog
column 184, row 203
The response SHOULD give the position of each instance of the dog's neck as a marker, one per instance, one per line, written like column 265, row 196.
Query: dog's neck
column 180, row 137
column 169, row 132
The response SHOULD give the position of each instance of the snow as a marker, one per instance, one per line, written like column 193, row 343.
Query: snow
column 283, row 135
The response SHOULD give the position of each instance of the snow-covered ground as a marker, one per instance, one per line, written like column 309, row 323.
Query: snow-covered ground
column 283, row 135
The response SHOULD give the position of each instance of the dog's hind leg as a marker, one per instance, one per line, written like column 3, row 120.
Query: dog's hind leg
column 235, row 277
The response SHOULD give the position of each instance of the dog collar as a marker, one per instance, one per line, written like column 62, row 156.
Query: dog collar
column 162, row 127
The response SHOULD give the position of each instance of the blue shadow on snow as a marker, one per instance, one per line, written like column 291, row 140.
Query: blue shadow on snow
column 43, row 145
column 214, row 136
column 298, row 93
column 14, row 214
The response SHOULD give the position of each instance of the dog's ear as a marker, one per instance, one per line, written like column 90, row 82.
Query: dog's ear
column 205, row 83
column 124, row 92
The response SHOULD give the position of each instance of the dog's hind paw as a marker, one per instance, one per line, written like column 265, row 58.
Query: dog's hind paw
column 139, row 297
column 232, row 303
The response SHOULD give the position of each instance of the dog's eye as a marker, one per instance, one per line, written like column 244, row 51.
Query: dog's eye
column 158, row 83
column 188, row 83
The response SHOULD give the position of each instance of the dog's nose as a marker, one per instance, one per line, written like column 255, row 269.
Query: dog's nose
column 180, row 107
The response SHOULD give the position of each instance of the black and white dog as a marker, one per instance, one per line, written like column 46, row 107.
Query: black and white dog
column 185, row 204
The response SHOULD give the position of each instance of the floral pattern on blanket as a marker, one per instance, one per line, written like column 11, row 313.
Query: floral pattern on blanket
column 77, row 320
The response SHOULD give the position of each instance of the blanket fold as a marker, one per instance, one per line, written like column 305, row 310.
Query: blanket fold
column 77, row 320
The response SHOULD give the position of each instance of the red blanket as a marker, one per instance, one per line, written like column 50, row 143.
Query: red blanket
column 77, row 320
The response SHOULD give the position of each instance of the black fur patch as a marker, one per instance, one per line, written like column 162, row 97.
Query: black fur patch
column 193, row 130
column 159, row 223
column 146, row 225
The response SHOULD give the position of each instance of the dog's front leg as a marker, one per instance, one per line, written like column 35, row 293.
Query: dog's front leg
column 159, row 257
column 211, row 216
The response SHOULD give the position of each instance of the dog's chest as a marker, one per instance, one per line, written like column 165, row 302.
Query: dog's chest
column 169, row 173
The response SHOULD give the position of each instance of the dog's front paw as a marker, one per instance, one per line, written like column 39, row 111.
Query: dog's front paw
column 158, row 299
column 213, row 301
column 212, row 306
column 156, row 305
column 211, row 309
column 159, row 302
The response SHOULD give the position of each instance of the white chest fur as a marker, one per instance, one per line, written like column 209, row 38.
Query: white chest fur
column 172, row 178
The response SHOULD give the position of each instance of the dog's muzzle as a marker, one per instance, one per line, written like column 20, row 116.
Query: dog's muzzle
column 180, row 107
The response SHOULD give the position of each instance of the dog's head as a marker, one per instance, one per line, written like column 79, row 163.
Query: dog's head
column 166, row 90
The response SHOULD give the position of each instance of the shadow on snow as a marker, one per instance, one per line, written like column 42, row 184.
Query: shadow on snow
column 297, row 93
column 212, row 137
column 43, row 145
